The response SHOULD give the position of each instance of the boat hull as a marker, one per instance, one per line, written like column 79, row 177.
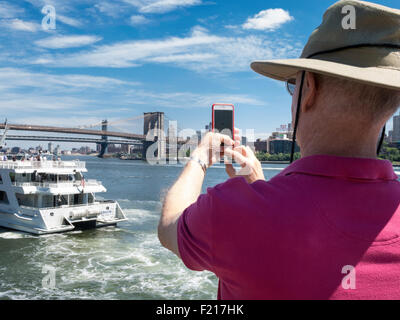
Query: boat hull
column 63, row 219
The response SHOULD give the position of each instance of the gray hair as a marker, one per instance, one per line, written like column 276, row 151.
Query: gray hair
column 370, row 102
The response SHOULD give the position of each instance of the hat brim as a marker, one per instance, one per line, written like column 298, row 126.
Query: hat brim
column 288, row 68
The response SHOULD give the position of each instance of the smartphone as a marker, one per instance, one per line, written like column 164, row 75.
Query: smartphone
column 223, row 119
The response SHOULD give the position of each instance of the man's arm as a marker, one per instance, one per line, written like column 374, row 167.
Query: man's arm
column 187, row 188
column 183, row 193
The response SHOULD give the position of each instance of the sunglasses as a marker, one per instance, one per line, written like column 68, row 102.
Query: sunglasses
column 291, row 86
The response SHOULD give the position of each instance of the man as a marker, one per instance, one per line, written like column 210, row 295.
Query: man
column 328, row 226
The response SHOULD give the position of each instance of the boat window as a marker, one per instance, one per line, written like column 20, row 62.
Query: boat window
column 3, row 198
column 60, row 200
column 12, row 176
column 27, row 200
column 47, row 201
column 77, row 199
column 90, row 198
column 1, row 179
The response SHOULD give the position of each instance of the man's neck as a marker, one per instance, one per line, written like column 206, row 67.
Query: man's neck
column 354, row 146
column 340, row 152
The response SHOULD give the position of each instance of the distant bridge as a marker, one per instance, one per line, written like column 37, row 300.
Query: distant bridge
column 71, row 139
column 24, row 127
column 153, row 125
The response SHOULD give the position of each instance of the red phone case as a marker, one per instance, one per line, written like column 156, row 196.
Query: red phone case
column 233, row 116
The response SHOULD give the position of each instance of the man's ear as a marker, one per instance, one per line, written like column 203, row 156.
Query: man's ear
column 309, row 92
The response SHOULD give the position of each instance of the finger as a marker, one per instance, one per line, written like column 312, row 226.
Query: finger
column 242, row 150
column 226, row 140
column 238, row 141
column 247, row 164
column 237, row 156
column 230, row 170
column 250, row 152
column 237, row 135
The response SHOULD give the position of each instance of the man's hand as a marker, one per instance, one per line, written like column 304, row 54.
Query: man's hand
column 210, row 150
column 251, row 168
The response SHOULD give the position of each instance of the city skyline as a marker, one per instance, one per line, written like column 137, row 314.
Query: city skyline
column 392, row 136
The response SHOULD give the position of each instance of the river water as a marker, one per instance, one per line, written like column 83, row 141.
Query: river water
column 124, row 262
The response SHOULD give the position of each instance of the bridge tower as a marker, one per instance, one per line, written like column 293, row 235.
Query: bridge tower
column 104, row 144
column 153, row 130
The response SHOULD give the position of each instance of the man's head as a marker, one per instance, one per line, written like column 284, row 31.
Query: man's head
column 336, row 110
column 366, row 57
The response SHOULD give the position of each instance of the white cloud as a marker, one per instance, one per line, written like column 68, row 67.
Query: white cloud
column 20, row 25
column 14, row 78
column 270, row 19
column 190, row 100
column 132, row 53
column 110, row 9
column 138, row 20
column 12, row 102
column 23, row 90
column 183, row 58
column 200, row 51
column 161, row 6
column 59, row 42
column 69, row 21
column 9, row 11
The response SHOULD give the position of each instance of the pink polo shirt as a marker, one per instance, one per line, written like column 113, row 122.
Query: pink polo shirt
column 324, row 228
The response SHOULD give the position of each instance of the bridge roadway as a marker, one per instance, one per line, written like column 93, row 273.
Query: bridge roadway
column 24, row 127
column 72, row 139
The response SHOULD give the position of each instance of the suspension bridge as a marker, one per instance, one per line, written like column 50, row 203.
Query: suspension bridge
column 100, row 133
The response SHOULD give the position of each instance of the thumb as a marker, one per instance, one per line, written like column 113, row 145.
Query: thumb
column 230, row 170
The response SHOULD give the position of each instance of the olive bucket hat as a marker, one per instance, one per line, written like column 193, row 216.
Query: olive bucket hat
column 367, row 52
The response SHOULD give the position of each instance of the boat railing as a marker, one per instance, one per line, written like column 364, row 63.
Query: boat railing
column 82, row 205
column 60, row 184
column 43, row 164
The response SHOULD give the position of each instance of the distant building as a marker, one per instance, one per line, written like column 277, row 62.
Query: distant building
column 390, row 136
column 261, row 145
column 85, row 150
column 396, row 129
column 50, row 147
column 199, row 135
column 244, row 141
column 281, row 146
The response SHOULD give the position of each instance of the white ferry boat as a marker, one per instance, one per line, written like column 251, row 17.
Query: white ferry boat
column 50, row 196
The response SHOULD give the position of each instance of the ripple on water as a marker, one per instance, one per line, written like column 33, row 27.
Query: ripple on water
column 108, row 263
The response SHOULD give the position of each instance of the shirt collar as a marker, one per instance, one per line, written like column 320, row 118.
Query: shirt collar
column 334, row 166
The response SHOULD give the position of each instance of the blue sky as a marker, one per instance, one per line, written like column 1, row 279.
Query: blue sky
column 119, row 58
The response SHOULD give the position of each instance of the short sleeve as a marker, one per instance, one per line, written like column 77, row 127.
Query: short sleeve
column 195, row 234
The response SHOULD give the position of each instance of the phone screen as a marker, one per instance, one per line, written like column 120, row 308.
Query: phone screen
column 223, row 121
